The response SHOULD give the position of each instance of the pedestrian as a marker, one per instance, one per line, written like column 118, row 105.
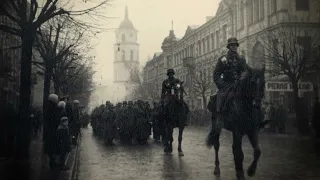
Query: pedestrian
column 316, row 122
column 51, row 123
column 63, row 142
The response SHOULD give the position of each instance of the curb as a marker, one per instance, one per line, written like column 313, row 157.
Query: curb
column 76, row 160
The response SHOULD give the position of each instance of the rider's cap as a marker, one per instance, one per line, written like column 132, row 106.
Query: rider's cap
column 232, row 40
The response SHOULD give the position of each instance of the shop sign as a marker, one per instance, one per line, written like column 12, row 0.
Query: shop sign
column 287, row 86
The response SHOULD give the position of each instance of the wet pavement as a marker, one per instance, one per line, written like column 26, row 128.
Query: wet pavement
column 283, row 157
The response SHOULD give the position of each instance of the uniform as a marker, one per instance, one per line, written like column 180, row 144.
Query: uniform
column 228, row 71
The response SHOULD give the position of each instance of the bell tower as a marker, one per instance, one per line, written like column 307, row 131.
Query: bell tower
column 126, row 57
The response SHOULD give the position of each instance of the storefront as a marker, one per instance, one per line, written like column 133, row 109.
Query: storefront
column 281, row 93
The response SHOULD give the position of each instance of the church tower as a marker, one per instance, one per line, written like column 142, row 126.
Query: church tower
column 126, row 58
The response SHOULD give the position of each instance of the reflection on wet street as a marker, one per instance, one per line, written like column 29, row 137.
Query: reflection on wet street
column 283, row 158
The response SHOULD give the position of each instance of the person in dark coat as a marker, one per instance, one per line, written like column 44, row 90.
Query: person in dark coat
column 63, row 142
column 62, row 109
column 316, row 121
column 51, row 124
column 229, row 69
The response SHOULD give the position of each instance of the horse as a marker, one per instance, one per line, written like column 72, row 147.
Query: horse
column 241, row 118
column 176, row 112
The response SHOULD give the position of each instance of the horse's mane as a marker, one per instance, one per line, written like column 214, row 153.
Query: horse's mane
column 246, row 84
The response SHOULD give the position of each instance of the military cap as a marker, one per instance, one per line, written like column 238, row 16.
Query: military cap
column 130, row 102
column 124, row 102
column 170, row 71
column 232, row 40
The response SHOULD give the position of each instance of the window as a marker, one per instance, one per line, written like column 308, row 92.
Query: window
column 302, row 5
column 199, row 48
column 212, row 41
column 203, row 46
column 256, row 10
column 208, row 44
column 261, row 9
column 123, row 38
column 131, row 55
column 225, row 33
column 217, row 39
column 123, row 55
column 241, row 15
column 250, row 10
column 305, row 42
column 273, row 6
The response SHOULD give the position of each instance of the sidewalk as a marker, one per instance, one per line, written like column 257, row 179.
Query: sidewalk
column 37, row 168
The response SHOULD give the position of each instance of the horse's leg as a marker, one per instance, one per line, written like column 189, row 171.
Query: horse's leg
column 181, row 128
column 166, row 139
column 254, row 140
column 216, row 145
column 170, row 138
column 238, row 155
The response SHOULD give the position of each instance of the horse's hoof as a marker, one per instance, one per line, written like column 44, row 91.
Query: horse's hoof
column 240, row 176
column 181, row 153
column 251, row 171
column 216, row 171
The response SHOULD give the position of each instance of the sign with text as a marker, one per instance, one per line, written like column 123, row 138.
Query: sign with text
column 287, row 86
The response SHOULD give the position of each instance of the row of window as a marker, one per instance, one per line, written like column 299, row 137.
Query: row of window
column 205, row 45
column 255, row 9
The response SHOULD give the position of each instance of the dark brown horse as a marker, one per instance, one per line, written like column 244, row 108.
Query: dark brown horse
column 175, row 115
column 241, row 118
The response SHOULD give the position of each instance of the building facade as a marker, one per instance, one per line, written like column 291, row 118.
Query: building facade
column 247, row 20
column 9, row 65
column 126, row 58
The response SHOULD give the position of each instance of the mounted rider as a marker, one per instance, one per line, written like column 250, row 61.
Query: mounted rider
column 229, row 69
column 170, row 89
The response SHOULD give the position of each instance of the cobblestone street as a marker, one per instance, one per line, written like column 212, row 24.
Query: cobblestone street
column 283, row 158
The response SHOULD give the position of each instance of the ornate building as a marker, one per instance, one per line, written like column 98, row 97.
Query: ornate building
column 247, row 20
column 126, row 58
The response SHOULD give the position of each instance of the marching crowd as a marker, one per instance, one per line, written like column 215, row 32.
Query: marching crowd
column 128, row 121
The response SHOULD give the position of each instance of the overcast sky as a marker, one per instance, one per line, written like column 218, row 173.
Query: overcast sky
column 152, row 19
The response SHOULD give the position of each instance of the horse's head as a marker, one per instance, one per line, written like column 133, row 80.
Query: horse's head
column 255, row 84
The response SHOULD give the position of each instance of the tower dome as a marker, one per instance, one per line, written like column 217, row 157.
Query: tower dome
column 169, row 41
column 126, row 23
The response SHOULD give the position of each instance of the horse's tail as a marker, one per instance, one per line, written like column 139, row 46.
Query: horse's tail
column 210, row 138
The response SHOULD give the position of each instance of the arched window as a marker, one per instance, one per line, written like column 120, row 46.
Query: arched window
column 241, row 15
column 258, row 59
column 123, row 54
column 123, row 38
column 131, row 55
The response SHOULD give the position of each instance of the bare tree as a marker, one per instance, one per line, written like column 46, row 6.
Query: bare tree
column 26, row 16
column 55, row 43
column 201, row 85
column 288, row 52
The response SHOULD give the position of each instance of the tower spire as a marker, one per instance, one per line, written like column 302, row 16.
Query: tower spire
column 172, row 25
column 126, row 16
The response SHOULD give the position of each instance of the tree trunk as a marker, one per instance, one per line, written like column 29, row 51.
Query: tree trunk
column 301, row 115
column 23, row 130
column 46, row 85
column 204, row 100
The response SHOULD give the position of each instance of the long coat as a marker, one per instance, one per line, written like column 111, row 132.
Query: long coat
column 228, row 69
column 51, row 120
